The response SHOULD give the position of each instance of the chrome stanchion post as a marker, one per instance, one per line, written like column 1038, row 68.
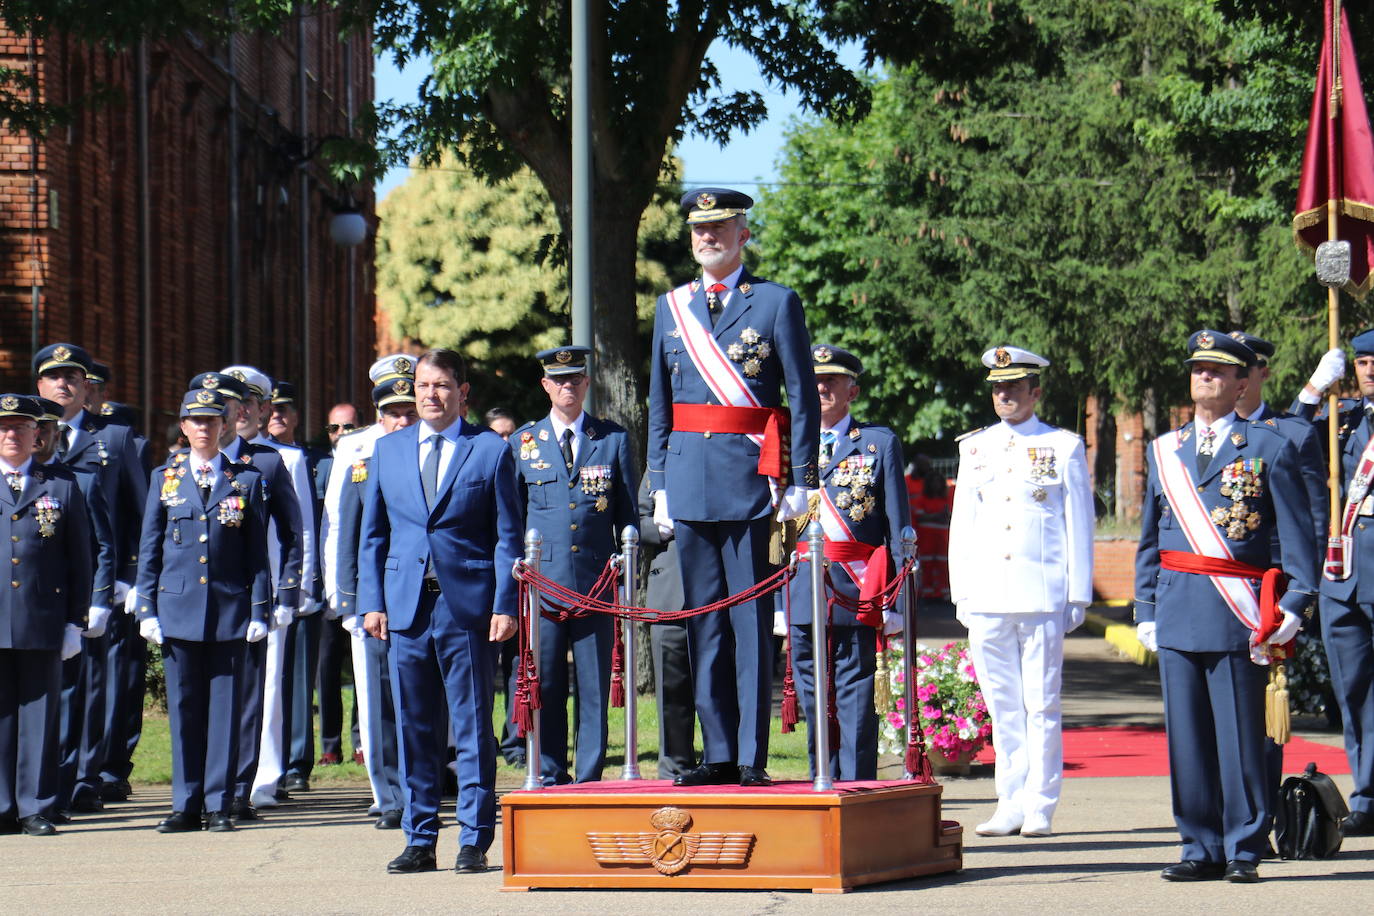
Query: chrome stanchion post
column 908, row 606
column 820, row 723
column 534, row 544
column 629, row 545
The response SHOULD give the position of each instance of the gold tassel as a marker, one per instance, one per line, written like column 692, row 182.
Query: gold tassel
column 1277, row 721
column 882, row 686
column 777, row 536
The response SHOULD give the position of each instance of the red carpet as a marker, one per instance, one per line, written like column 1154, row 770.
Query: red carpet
column 655, row 786
column 1143, row 752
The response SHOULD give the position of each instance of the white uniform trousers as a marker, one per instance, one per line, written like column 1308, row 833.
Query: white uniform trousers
column 362, row 685
column 1019, row 659
column 272, row 754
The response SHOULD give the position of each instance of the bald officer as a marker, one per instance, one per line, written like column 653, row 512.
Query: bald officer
column 1020, row 573
column 579, row 488
column 725, row 348
column 45, row 544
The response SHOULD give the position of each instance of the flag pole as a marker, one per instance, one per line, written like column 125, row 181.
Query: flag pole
column 1333, row 300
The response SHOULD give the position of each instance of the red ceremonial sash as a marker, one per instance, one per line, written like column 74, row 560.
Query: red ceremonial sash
column 1271, row 582
column 876, row 576
column 772, row 423
column 1340, row 549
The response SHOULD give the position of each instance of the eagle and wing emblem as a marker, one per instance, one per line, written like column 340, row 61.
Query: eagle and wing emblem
column 670, row 849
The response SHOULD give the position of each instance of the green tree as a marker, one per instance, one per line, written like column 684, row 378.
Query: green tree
column 481, row 268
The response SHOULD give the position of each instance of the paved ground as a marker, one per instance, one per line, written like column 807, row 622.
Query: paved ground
column 321, row 855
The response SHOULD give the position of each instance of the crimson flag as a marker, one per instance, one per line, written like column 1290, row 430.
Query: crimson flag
column 1338, row 161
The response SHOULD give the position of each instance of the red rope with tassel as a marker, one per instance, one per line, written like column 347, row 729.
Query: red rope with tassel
column 527, row 698
column 790, row 709
column 618, row 667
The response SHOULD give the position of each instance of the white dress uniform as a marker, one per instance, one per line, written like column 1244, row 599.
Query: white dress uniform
column 1020, row 567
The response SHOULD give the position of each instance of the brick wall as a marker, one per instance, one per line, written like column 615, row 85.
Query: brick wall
column 1114, row 569
column 82, row 256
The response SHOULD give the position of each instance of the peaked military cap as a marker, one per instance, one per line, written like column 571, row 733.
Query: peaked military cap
column 395, row 391
column 1264, row 350
column 1363, row 343
column 20, row 405
column 397, row 365
column 202, row 402
column 1216, row 347
column 711, row 205
column 52, row 411
column 99, row 373
column 257, row 381
column 564, row 360
column 226, row 385
column 828, row 360
column 61, row 356
column 283, row 393
column 1007, row 364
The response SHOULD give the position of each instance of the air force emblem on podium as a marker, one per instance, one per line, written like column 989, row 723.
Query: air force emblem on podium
column 671, row 849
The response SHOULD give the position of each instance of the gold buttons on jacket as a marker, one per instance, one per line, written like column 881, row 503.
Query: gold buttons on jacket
column 574, row 548
column 572, row 505
column 572, row 527
column 14, row 583
column 706, row 435
column 204, row 538
column 204, row 560
column 202, row 580
column 14, row 561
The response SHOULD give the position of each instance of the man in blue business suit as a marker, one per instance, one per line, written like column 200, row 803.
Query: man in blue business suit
column 440, row 537
column 1346, row 602
column 203, row 594
column 579, row 493
column 395, row 403
column 864, row 502
column 725, row 348
column 1228, row 487
column 45, row 544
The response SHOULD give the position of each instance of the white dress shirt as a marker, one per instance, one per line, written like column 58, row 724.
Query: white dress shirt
column 450, row 437
column 559, row 426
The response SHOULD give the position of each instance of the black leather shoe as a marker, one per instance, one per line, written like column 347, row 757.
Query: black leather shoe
column 295, row 782
column 1358, row 823
column 86, row 801
column 470, row 861
column 1193, row 870
column 413, row 861
column 116, row 791
column 754, row 776
column 179, row 822
column 709, row 774
column 218, row 822
column 59, row 817
column 389, row 820
column 241, row 810
column 1238, row 872
column 37, row 825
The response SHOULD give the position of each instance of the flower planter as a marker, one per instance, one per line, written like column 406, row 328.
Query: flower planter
column 950, row 766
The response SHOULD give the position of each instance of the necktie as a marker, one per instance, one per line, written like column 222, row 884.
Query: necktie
column 16, row 481
column 567, row 447
column 203, row 482
column 429, row 475
column 62, row 432
column 713, row 304
column 827, row 446
column 1206, row 449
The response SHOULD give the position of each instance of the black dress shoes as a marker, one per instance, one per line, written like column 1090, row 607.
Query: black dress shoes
column 754, row 776
column 86, row 801
column 218, row 822
column 116, row 790
column 241, row 810
column 709, row 774
column 295, row 782
column 470, row 861
column 414, row 860
column 1358, row 823
column 1238, row 872
column 37, row 825
column 1193, row 870
column 179, row 822
column 389, row 820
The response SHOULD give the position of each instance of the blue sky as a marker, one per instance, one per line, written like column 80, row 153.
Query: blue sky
column 743, row 163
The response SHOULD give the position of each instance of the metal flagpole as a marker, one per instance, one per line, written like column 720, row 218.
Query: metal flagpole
column 1333, row 269
column 629, row 540
column 820, row 722
column 909, row 630
column 534, row 544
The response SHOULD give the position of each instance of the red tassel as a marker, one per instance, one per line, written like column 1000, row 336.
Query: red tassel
column 832, row 710
column 918, row 764
column 618, row 669
column 527, row 698
column 789, row 698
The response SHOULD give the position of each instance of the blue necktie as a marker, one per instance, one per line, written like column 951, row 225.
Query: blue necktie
column 429, row 476
column 827, row 446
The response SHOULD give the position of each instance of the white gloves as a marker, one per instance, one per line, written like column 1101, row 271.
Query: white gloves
column 779, row 623
column 282, row 616
column 1145, row 632
column 121, row 591
column 794, row 503
column 961, row 615
column 662, row 520
column 130, row 599
column 1074, row 615
column 71, row 641
column 151, row 630
column 98, row 619
column 1287, row 630
column 352, row 625
column 1330, row 369
column 257, row 631
column 892, row 623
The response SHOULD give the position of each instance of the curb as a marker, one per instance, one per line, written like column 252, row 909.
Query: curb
column 1121, row 636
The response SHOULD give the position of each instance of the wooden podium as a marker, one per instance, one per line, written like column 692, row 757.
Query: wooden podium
column 648, row 834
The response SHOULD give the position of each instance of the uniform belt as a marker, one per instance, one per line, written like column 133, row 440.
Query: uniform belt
column 1272, row 581
column 431, row 584
column 773, row 423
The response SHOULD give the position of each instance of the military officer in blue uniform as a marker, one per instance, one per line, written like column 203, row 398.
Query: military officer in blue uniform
column 725, row 348
column 579, row 488
column 203, row 594
column 1219, row 491
column 395, row 403
column 863, row 501
column 75, row 719
column 1346, row 601
column 45, row 545
column 117, row 660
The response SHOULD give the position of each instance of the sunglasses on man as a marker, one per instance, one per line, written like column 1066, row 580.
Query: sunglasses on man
column 339, row 427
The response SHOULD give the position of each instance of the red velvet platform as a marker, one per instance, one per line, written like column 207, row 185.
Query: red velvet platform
column 785, row 836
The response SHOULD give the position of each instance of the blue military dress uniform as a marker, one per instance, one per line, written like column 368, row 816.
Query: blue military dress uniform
column 720, row 503
column 865, row 477
column 203, row 573
column 1213, row 692
column 580, row 511
column 45, row 544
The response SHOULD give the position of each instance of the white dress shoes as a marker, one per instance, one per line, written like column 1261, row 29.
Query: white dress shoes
column 1003, row 823
column 1036, row 825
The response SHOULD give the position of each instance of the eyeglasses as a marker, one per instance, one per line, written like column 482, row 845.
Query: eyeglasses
column 339, row 427
column 573, row 380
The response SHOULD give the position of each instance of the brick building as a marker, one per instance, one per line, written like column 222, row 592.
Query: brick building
column 185, row 224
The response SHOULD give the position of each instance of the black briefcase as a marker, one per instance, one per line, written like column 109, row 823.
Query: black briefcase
column 1310, row 811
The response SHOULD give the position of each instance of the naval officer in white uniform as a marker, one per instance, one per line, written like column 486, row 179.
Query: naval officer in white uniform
column 1020, row 571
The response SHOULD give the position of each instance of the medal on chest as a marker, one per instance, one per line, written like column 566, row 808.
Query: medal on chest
column 528, row 449
column 47, row 511
column 231, row 510
column 749, row 351
column 171, row 479
column 359, row 471
column 596, row 481
column 1241, row 480
column 1042, row 464
column 853, row 476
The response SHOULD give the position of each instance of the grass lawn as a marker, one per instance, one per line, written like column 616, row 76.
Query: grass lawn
column 786, row 759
